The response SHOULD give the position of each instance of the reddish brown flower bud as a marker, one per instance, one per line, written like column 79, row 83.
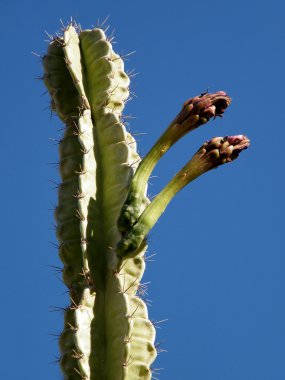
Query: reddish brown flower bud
column 205, row 106
column 221, row 150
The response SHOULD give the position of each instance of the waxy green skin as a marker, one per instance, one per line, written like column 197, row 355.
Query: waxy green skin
column 103, row 215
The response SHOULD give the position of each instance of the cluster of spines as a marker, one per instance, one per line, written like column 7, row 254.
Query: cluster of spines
column 88, row 87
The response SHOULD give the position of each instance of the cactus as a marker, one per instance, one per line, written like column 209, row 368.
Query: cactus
column 103, row 214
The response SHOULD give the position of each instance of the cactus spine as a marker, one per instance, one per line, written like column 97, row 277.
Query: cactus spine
column 102, row 205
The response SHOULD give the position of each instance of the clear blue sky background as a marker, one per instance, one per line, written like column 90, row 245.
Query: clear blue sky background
column 218, row 276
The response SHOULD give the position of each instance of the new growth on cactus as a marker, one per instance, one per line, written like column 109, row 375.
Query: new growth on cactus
column 103, row 214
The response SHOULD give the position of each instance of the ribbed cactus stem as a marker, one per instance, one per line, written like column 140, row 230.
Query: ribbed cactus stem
column 212, row 154
column 107, row 334
column 194, row 113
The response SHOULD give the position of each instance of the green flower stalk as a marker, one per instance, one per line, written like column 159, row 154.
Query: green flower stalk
column 195, row 112
column 213, row 153
column 107, row 334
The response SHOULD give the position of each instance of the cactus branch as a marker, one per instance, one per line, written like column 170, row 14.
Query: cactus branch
column 213, row 153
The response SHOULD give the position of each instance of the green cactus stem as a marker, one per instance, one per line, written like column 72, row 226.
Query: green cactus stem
column 194, row 113
column 107, row 334
column 213, row 153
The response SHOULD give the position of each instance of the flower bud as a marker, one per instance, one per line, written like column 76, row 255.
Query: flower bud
column 221, row 150
column 205, row 106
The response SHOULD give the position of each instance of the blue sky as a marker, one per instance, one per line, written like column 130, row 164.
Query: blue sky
column 218, row 275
